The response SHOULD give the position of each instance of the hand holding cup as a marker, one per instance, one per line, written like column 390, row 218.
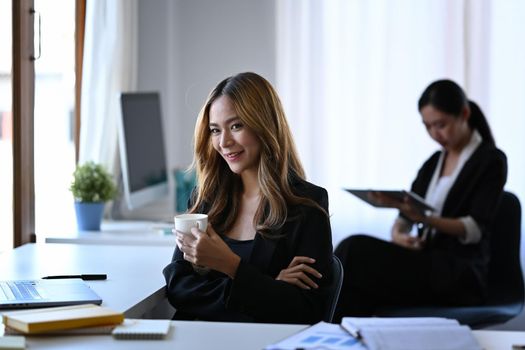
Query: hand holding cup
column 184, row 223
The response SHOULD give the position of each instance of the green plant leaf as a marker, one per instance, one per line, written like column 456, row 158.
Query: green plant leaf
column 92, row 183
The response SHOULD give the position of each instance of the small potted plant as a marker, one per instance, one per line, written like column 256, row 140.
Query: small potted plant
column 92, row 187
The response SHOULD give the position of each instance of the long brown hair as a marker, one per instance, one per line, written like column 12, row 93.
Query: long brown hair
column 257, row 105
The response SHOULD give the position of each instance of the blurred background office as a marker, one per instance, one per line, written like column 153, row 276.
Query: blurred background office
column 349, row 74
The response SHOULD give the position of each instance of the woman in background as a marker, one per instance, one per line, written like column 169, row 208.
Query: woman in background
column 447, row 262
column 268, row 247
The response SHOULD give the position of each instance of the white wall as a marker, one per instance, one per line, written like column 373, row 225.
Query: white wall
column 187, row 47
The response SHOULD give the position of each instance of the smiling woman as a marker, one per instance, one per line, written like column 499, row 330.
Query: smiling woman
column 268, row 245
column 239, row 146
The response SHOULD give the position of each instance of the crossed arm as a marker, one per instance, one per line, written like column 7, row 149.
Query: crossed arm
column 209, row 250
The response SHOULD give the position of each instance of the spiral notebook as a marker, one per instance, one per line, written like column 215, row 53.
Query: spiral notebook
column 142, row 329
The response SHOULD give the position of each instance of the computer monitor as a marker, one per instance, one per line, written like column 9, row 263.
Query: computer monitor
column 142, row 152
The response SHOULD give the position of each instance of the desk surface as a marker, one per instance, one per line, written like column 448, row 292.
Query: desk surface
column 135, row 282
column 135, row 285
column 189, row 335
column 232, row 336
column 143, row 233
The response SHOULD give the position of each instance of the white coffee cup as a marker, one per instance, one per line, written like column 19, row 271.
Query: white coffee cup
column 185, row 222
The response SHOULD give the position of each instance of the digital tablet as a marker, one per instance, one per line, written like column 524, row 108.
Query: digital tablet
column 396, row 194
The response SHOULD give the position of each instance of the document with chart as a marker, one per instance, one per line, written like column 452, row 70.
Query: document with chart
column 320, row 336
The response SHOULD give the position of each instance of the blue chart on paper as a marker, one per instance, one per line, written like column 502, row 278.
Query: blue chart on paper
column 329, row 339
column 326, row 336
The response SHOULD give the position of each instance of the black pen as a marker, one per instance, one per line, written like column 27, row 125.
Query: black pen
column 85, row 277
column 353, row 331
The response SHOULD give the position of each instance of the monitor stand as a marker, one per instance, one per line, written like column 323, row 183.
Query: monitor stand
column 161, row 210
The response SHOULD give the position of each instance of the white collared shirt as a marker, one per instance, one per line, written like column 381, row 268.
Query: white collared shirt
column 440, row 186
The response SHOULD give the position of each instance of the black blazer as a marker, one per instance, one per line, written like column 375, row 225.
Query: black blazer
column 254, row 295
column 476, row 193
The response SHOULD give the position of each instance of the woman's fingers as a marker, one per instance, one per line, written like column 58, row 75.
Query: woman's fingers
column 305, row 268
column 300, row 279
column 301, row 260
column 408, row 241
column 297, row 277
column 304, row 278
column 299, row 273
column 299, row 283
column 312, row 271
column 183, row 236
column 185, row 244
column 295, row 282
column 189, row 258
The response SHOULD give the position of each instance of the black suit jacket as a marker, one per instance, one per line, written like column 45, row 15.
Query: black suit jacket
column 254, row 295
column 476, row 193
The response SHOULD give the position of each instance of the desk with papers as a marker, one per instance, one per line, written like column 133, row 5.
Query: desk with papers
column 135, row 286
column 198, row 335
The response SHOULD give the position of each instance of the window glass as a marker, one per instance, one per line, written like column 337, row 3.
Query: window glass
column 54, row 116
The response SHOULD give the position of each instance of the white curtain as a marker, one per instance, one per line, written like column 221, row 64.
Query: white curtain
column 350, row 74
column 110, row 67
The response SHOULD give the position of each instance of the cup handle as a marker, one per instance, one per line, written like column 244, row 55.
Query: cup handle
column 199, row 225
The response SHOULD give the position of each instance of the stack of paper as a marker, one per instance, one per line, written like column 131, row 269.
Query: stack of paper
column 57, row 319
column 411, row 333
column 383, row 334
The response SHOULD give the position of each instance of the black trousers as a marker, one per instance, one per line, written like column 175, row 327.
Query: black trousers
column 380, row 273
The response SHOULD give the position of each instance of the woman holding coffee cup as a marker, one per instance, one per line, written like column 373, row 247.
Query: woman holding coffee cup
column 265, row 255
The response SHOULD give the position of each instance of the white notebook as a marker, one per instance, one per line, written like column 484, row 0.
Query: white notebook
column 420, row 337
column 411, row 333
column 12, row 342
column 142, row 329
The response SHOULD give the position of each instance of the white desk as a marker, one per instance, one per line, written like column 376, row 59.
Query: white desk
column 499, row 340
column 184, row 335
column 232, row 336
column 141, row 233
column 135, row 283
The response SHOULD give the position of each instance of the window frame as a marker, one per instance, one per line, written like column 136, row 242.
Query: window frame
column 23, row 80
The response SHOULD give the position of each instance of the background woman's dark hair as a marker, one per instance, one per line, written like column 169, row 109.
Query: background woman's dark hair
column 449, row 97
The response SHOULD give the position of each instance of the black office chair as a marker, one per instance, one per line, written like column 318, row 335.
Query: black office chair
column 505, row 279
column 334, row 289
